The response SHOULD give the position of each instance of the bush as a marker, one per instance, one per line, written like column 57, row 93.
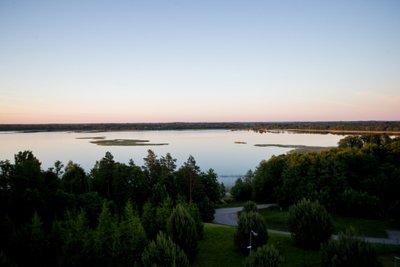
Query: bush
column 247, row 222
column 348, row 250
column 182, row 229
column 164, row 252
column 250, row 206
column 309, row 223
column 265, row 256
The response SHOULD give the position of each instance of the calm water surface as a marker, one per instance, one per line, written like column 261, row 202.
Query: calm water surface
column 211, row 148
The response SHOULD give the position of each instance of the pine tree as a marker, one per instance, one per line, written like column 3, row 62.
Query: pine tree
column 182, row 230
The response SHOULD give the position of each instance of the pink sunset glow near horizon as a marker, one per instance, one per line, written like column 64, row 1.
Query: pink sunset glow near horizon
column 155, row 61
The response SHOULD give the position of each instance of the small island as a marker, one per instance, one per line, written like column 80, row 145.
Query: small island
column 125, row 142
column 240, row 142
column 92, row 138
column 298, row 148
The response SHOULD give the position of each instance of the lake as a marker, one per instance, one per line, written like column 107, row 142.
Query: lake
column 214, row 149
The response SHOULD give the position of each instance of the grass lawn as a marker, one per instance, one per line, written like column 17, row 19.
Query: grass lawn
column 217, row 249
column 294, row 256
column 277, row 220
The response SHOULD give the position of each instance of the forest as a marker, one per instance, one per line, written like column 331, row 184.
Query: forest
column 115, row 215
column 361, row 178
column 121, row 214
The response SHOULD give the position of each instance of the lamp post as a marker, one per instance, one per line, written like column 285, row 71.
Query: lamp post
column 396, row 259
column 251, row 234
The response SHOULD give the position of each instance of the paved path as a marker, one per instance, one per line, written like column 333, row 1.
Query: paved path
column 228, row 216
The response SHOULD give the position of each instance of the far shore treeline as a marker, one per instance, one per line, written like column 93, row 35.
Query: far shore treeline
column 337, row 127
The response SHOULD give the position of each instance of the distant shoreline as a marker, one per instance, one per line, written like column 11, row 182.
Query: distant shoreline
column 329, row 127
column 342, row 131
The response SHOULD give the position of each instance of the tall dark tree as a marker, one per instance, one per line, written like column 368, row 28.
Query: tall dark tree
column 189, row 178
column 152, row 166
column 102, row 175
column 74, row 179
column 106, row 238
column 267, row 178
column 132, row 238
column 182, row 230
column 26, row 184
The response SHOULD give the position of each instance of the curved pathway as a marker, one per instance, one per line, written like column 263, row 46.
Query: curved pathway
column 229, row 216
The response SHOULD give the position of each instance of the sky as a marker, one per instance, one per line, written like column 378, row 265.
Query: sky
column 199, row 60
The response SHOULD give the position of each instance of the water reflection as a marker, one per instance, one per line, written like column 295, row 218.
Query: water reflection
column 211, row 148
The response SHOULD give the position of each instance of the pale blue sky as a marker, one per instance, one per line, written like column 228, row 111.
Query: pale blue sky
column 160, row 61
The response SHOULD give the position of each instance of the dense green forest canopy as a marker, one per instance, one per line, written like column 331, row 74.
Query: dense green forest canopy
column 331, row 126
column 64, row 216
column 359, row 178
column 127, row 215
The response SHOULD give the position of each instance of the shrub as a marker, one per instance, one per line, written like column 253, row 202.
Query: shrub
column 309, row 223
column 164, row 252
column 247, row 222
column 250, row 206
column 265, row 256
column 348, row 250
column 182, row 229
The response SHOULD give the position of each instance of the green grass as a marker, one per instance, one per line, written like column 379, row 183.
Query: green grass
column 277, row 220
column 217, row 249
column 294, row 256
column 366, row 227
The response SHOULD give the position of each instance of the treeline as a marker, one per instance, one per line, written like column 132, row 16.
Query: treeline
column 359, row 178
column 104, row 127
column 339, row 127
column 116, row 215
